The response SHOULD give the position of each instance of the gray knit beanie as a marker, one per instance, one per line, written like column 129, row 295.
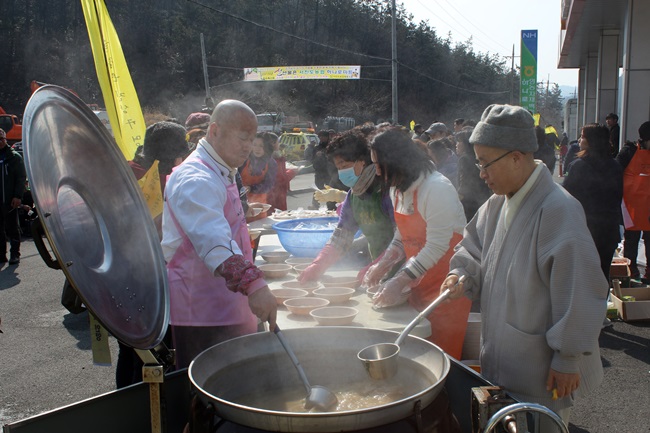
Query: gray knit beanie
column 507, row 127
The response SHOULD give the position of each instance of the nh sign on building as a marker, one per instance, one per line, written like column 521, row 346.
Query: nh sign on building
column 528, row 92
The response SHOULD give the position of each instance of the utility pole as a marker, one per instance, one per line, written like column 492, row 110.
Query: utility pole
column 512, row 75
column 208, row 98
column 394, row 62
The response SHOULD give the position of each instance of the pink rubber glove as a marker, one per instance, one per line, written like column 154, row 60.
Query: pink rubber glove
column 385, row 262
column 362, row 273
column 326, row 258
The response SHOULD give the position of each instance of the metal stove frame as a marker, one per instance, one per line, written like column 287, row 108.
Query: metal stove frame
column 128, row 409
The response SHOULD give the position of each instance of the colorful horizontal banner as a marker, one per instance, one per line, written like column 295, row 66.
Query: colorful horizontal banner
column 275, row 73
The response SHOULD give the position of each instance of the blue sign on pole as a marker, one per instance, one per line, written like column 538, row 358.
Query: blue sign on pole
column 528, row 93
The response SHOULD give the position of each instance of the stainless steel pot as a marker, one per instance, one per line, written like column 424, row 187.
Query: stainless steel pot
column 95, row 217
column 225, row 374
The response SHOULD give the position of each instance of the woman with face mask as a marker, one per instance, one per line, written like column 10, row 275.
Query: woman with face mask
column 365, row 207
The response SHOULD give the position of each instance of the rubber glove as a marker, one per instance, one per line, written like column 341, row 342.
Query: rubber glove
column 330, row 195
column 394, row 290
column 326, row 258
column 389, row 258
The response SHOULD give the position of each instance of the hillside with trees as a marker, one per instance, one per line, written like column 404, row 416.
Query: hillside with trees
column 437, row 78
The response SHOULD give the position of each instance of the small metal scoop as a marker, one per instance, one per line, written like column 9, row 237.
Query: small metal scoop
column 318, row 397
column 381, row 360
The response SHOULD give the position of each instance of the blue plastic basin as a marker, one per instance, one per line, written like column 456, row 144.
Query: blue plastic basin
column 305, row 242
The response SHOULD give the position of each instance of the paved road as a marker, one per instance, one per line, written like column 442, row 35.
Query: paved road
column 45, row 359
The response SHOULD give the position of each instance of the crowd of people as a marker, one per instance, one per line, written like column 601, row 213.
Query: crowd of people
column 478, row 201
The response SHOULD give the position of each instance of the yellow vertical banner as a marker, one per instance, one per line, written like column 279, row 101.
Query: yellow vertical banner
column 120, row 97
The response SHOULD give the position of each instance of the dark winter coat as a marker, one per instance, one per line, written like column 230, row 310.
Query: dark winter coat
column 12, row 179
column 598, row 185
column 626, row 154
column 472, row 190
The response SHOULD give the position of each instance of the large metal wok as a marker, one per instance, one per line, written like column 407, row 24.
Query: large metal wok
column 225, row 376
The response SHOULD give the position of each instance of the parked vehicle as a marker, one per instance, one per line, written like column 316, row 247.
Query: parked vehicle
column 338, row 124
column 299, row 127
column 297, row 124
column 270, row 122
column 293, row 144
column 12, row 125
column 103, row 116
column 571, row 118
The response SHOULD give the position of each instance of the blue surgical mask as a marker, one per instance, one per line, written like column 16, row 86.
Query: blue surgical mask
column 348, row 177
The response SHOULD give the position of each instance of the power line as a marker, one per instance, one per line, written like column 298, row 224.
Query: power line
column 285, row 33
column 334, row 48
column 468, row 32
column 473, row 25
column 451, row 85
column 225, row 67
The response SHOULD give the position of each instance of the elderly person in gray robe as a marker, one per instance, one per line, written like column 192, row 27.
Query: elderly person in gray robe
column 528, row 256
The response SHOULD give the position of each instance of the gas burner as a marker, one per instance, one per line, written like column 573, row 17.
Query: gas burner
column 435, row 418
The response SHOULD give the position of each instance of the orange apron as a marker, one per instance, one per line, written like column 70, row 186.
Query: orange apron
column 636, row 191
column 448, row 320
column 248, row 179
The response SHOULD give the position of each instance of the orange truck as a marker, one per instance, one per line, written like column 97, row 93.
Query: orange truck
column 12, row 125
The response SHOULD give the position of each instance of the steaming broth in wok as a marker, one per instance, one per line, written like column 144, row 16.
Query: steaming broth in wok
column 360, row 392
column 355, row 396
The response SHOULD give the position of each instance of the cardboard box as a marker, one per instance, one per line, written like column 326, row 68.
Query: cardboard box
column 620, row 267
column 633, row 310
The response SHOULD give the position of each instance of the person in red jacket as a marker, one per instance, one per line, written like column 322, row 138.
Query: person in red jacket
column 635, row 160
column 259, row 170
column 277, row 197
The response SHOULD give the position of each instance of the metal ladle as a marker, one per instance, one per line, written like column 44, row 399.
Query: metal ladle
column 381, row 360
column 318, row 397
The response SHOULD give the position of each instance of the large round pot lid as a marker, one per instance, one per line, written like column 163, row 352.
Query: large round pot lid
column 95, row 217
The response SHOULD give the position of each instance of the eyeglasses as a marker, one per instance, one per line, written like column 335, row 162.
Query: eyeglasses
column 484, row 167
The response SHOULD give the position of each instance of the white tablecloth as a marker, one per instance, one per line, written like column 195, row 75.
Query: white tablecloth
column 393, row 318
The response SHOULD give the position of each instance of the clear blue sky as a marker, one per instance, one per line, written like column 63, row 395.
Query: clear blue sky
column 495, row 25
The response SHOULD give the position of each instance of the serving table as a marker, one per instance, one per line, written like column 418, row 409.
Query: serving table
column 392, row 318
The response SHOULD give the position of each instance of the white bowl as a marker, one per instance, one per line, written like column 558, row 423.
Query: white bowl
column 254, row 233
column 275, row 256
column 263, row 207
column 309, row 286
column 275, row 270
column 282, row 295
column 301, row 267
column 372, row 291
column 330, row 281
column 303, row 306
column 334, row 316
column 298, row 260
column 335, row 295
